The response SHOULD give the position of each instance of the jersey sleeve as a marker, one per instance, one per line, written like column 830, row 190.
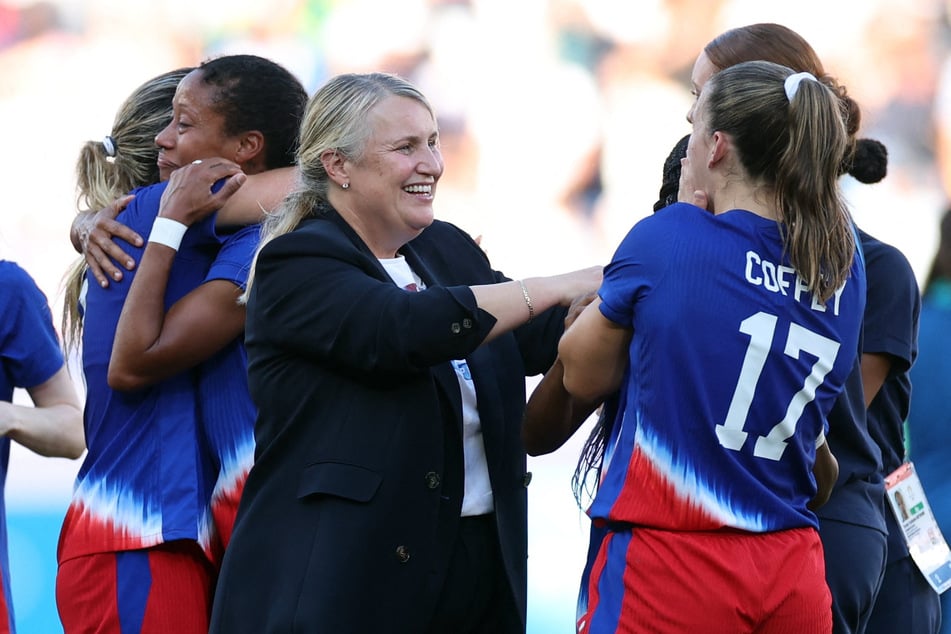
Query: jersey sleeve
column 142, row 210
column 233, row 262
column 892, row 328
column 29, row 346
column 639, row 264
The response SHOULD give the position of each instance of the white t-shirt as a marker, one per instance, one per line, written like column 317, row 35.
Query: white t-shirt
column 477, row 498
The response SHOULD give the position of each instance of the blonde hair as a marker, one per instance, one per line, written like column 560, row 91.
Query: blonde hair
column 335, row 120
column 105, row 173
column 796, row 147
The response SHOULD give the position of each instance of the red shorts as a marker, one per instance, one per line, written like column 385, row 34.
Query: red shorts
column 167, row 588
column 729, row 582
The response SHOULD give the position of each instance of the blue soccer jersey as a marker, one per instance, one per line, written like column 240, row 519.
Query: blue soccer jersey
column 139, row 484
column 225, row 408
column 733, row 367
column 29, row 356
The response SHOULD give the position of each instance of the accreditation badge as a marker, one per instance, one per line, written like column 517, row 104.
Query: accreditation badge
column 927, row 545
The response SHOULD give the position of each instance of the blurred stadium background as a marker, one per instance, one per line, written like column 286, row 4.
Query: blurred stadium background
column 556, row 116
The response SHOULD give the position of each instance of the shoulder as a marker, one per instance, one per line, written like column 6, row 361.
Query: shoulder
column 17, row 283
column 27, row 331
column 446, row 248
column 663, row 231
column 444, row 228
column 310, row 237
column 887, row 268
column 444, row 235
column 149, row 191
column 678, row 219
column 144, row 207
column 12, row 273
column 249, row 235
column 878, row 253
column 315, row 246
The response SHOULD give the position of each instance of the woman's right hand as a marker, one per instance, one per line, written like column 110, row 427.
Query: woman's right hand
column 94, row 235
column 193, row 192
column 577, row 284
column 689, row 191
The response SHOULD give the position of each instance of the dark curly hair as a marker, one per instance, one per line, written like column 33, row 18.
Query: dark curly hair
column 670, row 175
column 254, row 93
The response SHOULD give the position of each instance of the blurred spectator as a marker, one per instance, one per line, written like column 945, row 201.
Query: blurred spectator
column 18, row 23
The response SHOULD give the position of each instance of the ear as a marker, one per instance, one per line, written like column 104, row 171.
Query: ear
column 335, row 165
column 250, row 148
column 719, row 148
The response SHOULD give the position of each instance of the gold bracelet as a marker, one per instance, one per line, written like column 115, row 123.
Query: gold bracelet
column 528, row 301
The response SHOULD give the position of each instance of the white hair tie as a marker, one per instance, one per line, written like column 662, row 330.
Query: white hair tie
column 792, row 83
column 109, row 145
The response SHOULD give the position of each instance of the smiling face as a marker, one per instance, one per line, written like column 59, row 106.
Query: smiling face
column 393, row 183
column 196, row 130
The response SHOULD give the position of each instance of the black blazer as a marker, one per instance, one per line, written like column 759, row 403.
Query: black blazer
column 348, row 516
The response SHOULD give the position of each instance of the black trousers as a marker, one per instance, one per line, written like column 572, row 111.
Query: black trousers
column 476, row 597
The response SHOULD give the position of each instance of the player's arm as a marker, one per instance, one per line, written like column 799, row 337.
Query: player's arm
column 826, row 472
column 552, row 415
column 151, row 345
column 875, row 370
column 260, row 194
column 53, row 427
column 95, row 234
column 594, row 354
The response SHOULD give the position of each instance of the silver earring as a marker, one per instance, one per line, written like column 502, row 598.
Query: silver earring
column 346, row 185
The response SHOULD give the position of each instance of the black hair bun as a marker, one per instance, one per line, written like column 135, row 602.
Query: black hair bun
column 670, row 178
column 869, row 162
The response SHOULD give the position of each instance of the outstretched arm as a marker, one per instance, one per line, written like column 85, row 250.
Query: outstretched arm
column 261, row 193
column 54, row 426
column 151, row 345
column 94, row 234
column 515, row 303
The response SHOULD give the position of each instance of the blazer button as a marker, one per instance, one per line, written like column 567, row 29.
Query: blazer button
column 455, row 328
column 432, row 480
column 467, row 323
column 402, row 554
column 527, row 479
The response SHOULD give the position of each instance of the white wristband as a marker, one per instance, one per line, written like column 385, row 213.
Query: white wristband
column 168, row 232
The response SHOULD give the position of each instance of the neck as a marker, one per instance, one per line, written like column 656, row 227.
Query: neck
column 740, row 196
column 376, row 236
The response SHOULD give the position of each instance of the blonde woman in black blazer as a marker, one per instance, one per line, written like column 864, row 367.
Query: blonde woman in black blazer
column 389, row 487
